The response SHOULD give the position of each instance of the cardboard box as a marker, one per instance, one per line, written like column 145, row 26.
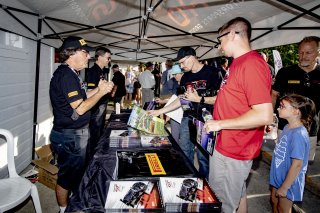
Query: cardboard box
column 47, row 172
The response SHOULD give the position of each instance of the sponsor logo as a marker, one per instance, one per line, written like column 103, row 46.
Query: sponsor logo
column 154, row 163
column 82, row 42
column 293, row 81
column 71, row 94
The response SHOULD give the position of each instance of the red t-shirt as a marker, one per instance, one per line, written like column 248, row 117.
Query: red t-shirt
column 247, row 83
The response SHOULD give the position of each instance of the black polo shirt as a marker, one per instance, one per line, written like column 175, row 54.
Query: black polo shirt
column 65, row 88
column 95, row 73
column 295, row 80
column 119, row 80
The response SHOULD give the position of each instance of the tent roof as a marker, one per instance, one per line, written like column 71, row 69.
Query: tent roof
column 154, row 30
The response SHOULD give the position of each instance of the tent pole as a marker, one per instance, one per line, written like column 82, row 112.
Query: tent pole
column 36, row 88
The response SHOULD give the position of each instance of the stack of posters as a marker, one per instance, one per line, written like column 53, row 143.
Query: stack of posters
column 132, row 138
column 153, row 163
column 133, row 196
column 141, row 120
column 188, row 195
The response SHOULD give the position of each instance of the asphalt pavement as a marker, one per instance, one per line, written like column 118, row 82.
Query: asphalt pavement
column 258, row 193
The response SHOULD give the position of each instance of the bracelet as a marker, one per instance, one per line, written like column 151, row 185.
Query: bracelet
column 202, row 100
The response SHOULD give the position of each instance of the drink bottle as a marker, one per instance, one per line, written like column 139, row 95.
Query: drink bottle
column 206, row 115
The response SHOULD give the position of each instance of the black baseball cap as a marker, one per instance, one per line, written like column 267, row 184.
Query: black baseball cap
column 148, row 64
column 76, row 43
column 115, row 66
column 185, row 51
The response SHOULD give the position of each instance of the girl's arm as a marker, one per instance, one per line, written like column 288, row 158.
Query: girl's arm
column 291, row 176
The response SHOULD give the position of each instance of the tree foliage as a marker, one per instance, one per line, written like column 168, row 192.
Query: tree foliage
column 288, row 53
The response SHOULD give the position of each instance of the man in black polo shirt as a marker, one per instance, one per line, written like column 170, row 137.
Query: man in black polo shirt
column 71, row 109
column 98, row 111
column 119, row 89
column 302, row 79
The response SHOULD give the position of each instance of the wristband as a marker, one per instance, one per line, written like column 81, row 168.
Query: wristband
column 202, row 100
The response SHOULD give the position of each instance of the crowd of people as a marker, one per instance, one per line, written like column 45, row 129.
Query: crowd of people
column 242, row 96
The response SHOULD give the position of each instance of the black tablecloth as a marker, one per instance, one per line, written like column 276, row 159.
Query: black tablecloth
column 92, row 193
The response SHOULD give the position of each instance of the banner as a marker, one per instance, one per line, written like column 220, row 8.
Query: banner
column 277, row 61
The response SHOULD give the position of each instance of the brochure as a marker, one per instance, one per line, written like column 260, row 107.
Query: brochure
column 133, row 138
column 141, row 120
column 176, row 114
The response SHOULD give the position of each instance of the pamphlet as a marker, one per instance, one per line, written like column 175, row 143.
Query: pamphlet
column 132, row 138
column 176, row 114
column 141, row 120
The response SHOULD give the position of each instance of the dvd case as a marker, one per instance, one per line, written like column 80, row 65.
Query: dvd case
column 188, row 195
column 132, row 195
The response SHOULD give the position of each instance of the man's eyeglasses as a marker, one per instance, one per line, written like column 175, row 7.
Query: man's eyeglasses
column 306, row 80
column 224, row 34
column 181, row 62
column 84, row 51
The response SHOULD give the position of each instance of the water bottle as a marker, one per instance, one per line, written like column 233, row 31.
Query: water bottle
column 271, row 131
column 206, row 115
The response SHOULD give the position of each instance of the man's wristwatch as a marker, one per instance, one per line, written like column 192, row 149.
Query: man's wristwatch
column 202, row 100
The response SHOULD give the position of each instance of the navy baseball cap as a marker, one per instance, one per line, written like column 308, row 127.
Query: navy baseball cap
column 149, row 64
column 185, row 51
column 115, row 66
column 76, row 43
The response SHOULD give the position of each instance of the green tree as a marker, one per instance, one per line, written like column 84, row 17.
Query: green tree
column 288, row 53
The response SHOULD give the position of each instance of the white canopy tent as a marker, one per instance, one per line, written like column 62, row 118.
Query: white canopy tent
column 155, row 29
column 137, row 30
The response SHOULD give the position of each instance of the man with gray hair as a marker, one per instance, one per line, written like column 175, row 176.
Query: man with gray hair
column 147, row 82
column 303, row 79
column 71, row 110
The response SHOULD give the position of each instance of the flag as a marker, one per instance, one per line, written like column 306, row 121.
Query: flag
column 277, row 61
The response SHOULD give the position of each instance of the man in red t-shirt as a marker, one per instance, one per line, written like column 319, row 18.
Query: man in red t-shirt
column 242, row 107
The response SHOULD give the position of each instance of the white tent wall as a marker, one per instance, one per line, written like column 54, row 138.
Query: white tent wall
column 17, row 86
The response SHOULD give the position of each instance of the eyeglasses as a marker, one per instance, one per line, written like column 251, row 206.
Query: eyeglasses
column 306, row 80
column 282, row 106
column 181, row 62
column 84, row 51
column 224, row 34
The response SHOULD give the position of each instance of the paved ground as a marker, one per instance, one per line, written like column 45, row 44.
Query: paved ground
column 258, row 193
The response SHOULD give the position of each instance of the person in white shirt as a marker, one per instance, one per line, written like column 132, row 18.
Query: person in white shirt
column 147, row 82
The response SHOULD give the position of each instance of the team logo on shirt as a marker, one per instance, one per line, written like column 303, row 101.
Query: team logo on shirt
column 293, row 82
column 71, row 94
